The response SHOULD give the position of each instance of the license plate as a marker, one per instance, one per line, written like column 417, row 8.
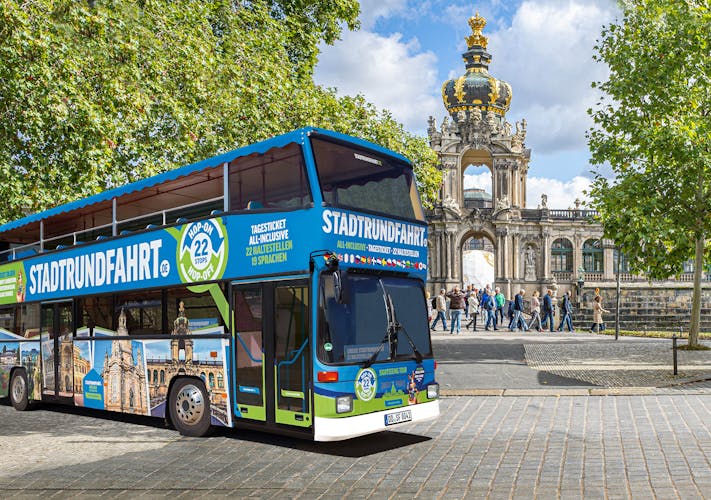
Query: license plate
column 398, row 418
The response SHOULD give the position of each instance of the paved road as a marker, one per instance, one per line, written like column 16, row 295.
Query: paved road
column 482, row 447
column 512, row 445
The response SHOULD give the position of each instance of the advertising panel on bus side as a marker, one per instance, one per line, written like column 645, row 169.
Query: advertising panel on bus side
column 232, row 246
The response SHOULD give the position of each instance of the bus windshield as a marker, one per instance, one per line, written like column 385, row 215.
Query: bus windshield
column 361, row 179
column 356, row 325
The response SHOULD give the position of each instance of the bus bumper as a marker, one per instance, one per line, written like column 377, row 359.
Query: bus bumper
column 337, row 429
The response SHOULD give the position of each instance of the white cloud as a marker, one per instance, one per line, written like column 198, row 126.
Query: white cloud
column 372, row 10
column 546, row 56
column 561, row 194
column 390, row 72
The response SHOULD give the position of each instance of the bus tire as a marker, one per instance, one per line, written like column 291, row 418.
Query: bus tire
column 189, row 407
column 19, row 397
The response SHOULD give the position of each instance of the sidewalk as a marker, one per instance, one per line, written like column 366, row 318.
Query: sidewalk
column 601, row 365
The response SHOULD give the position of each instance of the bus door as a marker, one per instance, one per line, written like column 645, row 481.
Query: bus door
column 273, row 356
column 292, row 355
column 56, row 327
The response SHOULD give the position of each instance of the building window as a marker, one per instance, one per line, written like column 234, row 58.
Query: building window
column 592, row 256
column 624, row 262
column 162, row 376
column 212, row 380
column 220, row 381
column 562, row 255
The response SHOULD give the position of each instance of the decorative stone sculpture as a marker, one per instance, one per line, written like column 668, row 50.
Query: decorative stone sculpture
column 530, row 264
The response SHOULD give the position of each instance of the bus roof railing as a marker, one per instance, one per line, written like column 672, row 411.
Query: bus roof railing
column 63, row 241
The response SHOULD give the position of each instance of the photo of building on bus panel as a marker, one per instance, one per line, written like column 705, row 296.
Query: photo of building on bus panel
column 135, row 373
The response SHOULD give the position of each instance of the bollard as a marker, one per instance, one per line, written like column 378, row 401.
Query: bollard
column 674, row 352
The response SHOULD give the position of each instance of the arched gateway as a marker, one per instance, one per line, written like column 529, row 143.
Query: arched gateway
column 534, row 248
column 476, row 133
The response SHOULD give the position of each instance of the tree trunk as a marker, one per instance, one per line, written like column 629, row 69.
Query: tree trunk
column 696, row 299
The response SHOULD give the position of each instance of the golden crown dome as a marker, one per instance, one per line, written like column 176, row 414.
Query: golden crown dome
column 476, row 88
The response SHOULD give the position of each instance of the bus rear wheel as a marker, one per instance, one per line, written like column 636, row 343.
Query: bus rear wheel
column 190, row 408
column 19, row 396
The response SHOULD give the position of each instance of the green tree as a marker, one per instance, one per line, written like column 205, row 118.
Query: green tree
column 95, row 94
column 653, row 126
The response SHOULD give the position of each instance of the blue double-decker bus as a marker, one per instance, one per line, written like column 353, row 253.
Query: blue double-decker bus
column 277, row 287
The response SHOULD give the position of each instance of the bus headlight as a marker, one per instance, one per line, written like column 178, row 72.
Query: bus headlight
column 433, row 391
column 344, row 404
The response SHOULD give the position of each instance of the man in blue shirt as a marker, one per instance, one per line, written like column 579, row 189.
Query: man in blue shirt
column 547, row 310
column 488, row 305
column 518, row 312
column 566, row 313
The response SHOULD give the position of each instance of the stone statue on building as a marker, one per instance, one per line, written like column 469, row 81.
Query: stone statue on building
column 544, row 201
column 451, row 204
column 530, row 264
column 502, row 203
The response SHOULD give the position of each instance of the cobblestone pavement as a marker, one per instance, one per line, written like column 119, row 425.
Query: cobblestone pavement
column 620, row 364
column 645, row 447
column 567, row 364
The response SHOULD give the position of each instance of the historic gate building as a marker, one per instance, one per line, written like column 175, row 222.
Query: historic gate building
column 535, row 248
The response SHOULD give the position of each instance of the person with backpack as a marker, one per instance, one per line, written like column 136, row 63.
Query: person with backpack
column 566, row 313
column 440, row 307
column 518, row 306
column 489, row 305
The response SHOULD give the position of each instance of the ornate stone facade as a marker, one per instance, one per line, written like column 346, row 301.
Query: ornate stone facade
column 124, row 377
column 534, row 248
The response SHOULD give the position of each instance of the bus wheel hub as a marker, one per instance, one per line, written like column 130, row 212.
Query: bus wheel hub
column 190, row 404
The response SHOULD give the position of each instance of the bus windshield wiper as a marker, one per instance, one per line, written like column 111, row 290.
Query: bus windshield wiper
column 418, row 355
column 390, row 332
column 374, row 356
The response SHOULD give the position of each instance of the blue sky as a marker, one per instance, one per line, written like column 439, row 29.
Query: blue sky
column 405, row 49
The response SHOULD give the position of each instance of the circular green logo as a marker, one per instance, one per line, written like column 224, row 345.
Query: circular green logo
column 202, row 251
column 366, row 384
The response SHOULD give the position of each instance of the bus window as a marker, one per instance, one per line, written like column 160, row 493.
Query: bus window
column 28, row 324
column 363, row 180
column 200, row 310
column 275, row 179
column 7, row 319
column 139, row 314
column 95, row 314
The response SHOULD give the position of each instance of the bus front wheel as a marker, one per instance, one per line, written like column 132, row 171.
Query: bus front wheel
column 19, row 396
column 190, row 408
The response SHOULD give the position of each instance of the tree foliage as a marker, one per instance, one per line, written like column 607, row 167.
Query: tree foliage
column 653, row 126
column 95, row 94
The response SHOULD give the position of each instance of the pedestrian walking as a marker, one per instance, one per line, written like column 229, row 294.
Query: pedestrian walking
column 566, row 313
column 467, row 293
column 598, row 324
column 456, row 308
column 488, row 305
column 535, row 312
column 440, row 309
column 500, row 300
column 518, row 307
column 473, row 301
column 547, row 309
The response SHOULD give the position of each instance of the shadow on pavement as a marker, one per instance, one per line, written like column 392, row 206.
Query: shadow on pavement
column 553, row 380
column 356, row 447
column 352, row 448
